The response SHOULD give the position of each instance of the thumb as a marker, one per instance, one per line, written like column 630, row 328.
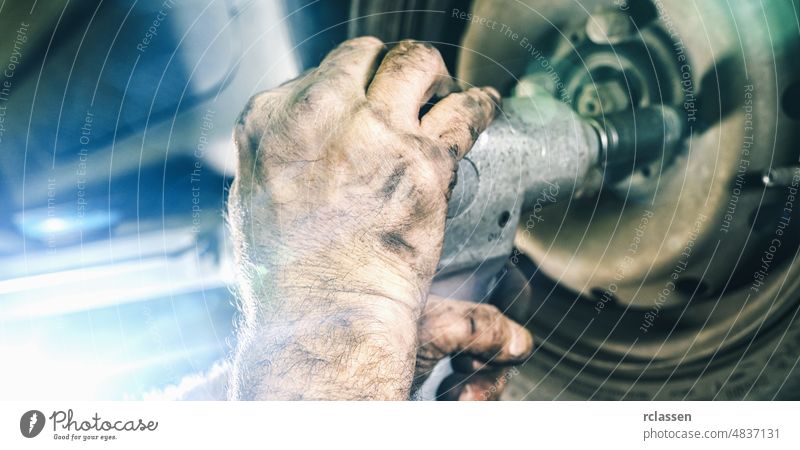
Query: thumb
column 457, row 327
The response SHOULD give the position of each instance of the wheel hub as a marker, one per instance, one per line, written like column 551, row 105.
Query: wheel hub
column 673, row 249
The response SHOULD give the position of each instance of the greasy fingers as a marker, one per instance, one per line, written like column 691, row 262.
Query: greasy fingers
column 479, row 330
column 480, row 341
column 410, row 74
column 458, row 119
column 353, row 63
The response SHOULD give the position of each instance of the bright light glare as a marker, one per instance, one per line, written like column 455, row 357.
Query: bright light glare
column 54, row 225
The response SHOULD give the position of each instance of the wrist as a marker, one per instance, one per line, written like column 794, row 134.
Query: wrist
column 321, row 345
column 328, row 249
column 290, row 271
column 379, row 288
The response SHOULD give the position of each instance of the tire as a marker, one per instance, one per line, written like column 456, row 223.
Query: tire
column 759, row 365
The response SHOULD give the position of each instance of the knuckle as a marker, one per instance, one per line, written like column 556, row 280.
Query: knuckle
column 420, row 54
column 469, row 105
column 403, row 49
column 427, row 49
column 314, row 94
column 437, row 172
column 492, row 322
column 480, row 99
column 364, row 41
column 244, row 114
column 431, row 179
column 444, row 160
column 463, row 131
column 350, row 47
column 465, row 330
column 490, row 311
column 406, row 45
column 255, row 105
column 473, row 100
column 485, row 326
column 491, row 93
column 474, row 111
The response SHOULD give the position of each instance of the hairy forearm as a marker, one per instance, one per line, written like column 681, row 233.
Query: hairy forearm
column 326, row 324
column 341, row 348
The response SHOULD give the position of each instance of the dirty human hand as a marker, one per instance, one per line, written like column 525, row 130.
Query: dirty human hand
column 337, row 215
column 481, row 341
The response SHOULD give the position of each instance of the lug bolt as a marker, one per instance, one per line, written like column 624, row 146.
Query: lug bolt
column 609, row 28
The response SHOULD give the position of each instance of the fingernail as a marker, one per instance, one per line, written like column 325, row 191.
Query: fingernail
column 520, row 342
